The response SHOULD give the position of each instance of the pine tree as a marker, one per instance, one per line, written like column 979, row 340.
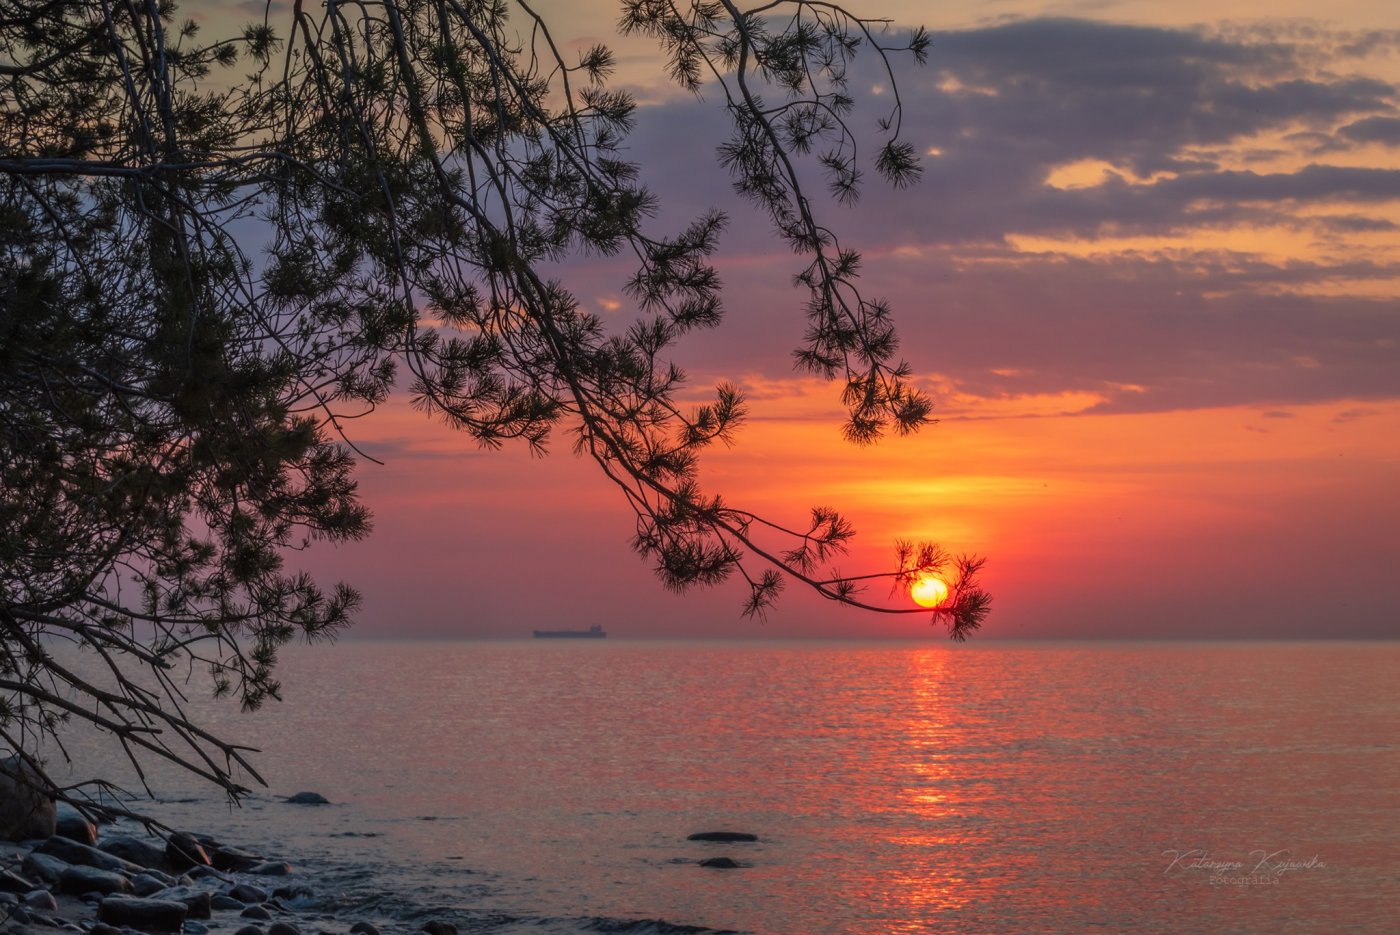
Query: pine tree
column 172, row 406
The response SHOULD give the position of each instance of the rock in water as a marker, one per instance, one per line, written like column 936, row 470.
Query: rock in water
column 722, row 836
column 364, row 928
column 183, row 851
column 283, row 928
column 256, row 912
column 148, row 915
column 223, row 901
column 271, row 868
column 722, row 863
column 308, row 798
column 439, row 928
column 26, row 811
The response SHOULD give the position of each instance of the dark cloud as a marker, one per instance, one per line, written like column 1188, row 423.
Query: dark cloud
column 1374, row 130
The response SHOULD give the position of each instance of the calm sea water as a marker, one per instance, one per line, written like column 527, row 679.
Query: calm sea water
column 550, row 786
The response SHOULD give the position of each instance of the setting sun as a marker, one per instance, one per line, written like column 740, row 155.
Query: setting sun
column 929, row 591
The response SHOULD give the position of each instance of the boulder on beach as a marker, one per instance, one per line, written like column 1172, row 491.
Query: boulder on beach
column 720, row 863
column 245, row 893
column 364, row 928
column 146, row 915
column 283, row 928
column 135, row 850
column 74, row 853
column 143, row 884
column 26, row 811
column 200, row 903
column 44, row 867
column 41, row 899
column 722, row 836
column 224, row 901
column 183, row 851
column 249, row 930
column 256, row 912
column 308, row 798
column 73, row 825
column 231, row 859
column 80, row 879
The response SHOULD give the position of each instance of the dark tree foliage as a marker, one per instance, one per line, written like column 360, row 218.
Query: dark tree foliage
column 172, row 396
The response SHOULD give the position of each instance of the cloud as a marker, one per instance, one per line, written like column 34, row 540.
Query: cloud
column 1197, row 148
column 1374, row 130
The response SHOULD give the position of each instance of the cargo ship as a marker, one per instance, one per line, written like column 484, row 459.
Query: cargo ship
column 592, row 633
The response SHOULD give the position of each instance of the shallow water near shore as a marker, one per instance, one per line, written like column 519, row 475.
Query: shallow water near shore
column 550, row 787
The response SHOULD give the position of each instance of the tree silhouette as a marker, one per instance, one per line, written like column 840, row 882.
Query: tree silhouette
column 173, row 402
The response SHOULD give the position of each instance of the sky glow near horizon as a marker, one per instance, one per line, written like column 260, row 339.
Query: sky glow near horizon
column 1150, row 277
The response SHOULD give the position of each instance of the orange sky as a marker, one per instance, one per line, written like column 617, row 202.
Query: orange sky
column 1150, row 278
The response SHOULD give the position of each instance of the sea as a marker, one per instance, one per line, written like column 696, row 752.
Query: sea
column 551, row 786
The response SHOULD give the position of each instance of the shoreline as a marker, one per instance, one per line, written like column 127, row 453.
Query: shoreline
column 119, row 878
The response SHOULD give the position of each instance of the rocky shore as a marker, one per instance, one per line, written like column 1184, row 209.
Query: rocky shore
column 122, row 881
